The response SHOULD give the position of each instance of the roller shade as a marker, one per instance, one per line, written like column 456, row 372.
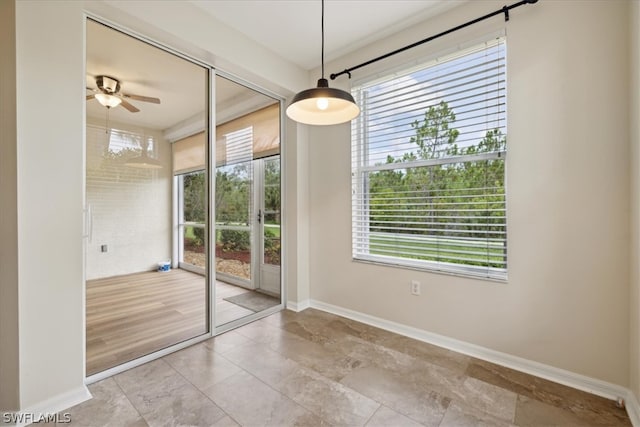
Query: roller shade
column 262, row 128
column 265, row 125
column 189, row 154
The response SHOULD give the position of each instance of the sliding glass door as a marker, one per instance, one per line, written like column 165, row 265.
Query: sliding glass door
column 183, row 214
column 142, row 103
column 247, row 202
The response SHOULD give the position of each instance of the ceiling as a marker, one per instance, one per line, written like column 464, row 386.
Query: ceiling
column 181, row 85
column 145, row 70
column 349, row 24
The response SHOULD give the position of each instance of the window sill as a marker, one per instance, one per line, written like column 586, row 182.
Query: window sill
column 468, row 272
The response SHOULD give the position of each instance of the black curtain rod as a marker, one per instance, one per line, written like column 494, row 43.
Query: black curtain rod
column 504, row 10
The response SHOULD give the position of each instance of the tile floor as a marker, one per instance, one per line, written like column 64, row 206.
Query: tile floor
column 316, row 369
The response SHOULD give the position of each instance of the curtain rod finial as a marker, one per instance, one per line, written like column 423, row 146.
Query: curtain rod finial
column 505, row 10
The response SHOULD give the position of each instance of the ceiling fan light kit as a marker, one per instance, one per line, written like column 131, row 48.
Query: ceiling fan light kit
column 323, row 105
column 107, row 100
column 109, row 95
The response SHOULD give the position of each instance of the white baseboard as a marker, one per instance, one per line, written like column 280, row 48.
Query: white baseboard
column 571, row 379
column 57, row 403
column 633, row 408
column 298, row 306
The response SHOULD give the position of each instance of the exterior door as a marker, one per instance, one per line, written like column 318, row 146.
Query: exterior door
column 268, row 223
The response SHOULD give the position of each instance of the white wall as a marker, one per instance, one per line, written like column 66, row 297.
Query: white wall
column 9, row 361
column 293, row 246
column 131, row 208
column 299, row 205
column 634, row 114
column 566, row 300
column 50, row 197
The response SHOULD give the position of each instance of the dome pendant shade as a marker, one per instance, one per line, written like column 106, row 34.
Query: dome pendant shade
column 323, row 106
column 108, row 100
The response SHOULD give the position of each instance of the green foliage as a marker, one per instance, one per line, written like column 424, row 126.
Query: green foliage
column 271, row 247
column 195, row 197
column 233, row 190
column 434, row 131
column 272, row 186
column 441, row 202
column 198, row 236
column 235, row 240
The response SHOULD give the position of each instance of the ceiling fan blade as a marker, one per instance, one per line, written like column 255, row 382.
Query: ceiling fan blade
column 142, row 98
column 90, row 97
column 129, row 107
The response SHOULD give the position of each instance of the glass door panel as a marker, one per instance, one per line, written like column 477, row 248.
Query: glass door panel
column 234, row 185
column 192, row 226
column 138, row 298
column 271, row 209
column 247, row 202
column 269, row 219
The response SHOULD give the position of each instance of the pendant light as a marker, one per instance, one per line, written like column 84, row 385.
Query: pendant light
column 143, row 161
column 323, row 105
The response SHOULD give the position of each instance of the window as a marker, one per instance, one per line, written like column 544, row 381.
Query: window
column 428, row 165
column 192, row 211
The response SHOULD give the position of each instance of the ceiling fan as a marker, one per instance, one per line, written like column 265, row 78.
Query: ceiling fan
column 108, row 94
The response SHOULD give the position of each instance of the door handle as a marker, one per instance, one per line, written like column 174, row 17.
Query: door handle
column 88, row 223
column 259, row 216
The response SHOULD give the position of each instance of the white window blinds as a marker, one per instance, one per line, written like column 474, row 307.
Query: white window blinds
column 428, row 165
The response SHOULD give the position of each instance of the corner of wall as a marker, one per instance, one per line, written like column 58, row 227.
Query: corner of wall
column 302, row 220
column 9, row 349
column 634, row 253
column 296, row 154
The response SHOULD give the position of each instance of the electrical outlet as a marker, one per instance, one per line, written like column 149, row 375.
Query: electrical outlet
column 415, row 287
column 103, row 248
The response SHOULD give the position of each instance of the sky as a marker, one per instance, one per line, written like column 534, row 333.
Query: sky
column 472, row 82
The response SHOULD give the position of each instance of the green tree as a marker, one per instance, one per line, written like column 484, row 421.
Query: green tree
column 453, row 200
column 194, row 197
column 194, row 208
column 233, row 188
column 433, row 134
column 272, row 189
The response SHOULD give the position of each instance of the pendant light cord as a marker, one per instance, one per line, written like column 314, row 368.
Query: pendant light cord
column 322, row 31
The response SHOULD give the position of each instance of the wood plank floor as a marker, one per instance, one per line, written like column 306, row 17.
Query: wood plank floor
column 226, row 311
column 134, row 315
